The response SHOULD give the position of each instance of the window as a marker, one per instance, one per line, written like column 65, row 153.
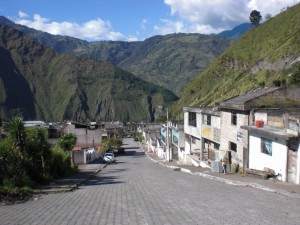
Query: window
column 192, row 119
column 266, row 146
column 175, row 139
column 233, row 118
column 232, row 146
column 207, row 119
column 216, row 146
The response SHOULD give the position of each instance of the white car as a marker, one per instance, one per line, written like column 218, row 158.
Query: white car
column 109, row 157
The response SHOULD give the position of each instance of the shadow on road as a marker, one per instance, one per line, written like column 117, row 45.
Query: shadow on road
column 117, row 170
column 126, row 148
column 135, row 153
column 95, row 180
column 98, row 161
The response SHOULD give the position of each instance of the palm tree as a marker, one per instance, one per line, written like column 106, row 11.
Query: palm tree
column 17, row 143
column 17, row 135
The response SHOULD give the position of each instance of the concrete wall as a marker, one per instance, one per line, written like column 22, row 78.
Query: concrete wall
column 213, row 131
column 194, row 131
column 85, row 156
column 78, row 157
column 233, row 133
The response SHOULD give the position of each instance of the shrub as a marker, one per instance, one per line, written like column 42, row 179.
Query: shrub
column 10, row 164
column 60, row 163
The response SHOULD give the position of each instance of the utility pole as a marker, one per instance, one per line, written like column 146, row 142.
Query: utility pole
column 168, row 148
column 148, row 140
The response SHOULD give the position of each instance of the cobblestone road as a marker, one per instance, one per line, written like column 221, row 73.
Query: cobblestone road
column 139, row 191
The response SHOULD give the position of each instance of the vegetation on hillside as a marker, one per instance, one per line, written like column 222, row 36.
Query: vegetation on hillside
column 169, row 61
column 262, row 57
column 39, row 83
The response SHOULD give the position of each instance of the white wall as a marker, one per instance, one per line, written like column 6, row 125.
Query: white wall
column 298, row 166
column 194, row 131
column 259, row 160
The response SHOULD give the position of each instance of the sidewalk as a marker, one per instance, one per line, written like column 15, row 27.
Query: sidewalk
column 236, row 179
column 70, row 183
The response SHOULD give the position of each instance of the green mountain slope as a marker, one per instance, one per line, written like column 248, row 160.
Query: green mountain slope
column 42, row 84
column 169, row 61
column 262, row 57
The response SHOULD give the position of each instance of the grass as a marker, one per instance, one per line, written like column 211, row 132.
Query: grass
column 262, row 56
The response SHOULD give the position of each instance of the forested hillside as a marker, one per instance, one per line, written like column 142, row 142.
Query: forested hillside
column 170, row 61
column 41, row 84
column 264, row 56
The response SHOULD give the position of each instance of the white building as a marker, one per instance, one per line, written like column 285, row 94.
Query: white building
column 192, row 131
column 202, row 128
column 274, row 143
column 236, row 112
column 177, row 141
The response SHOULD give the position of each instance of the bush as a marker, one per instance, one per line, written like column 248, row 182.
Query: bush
column 60, row 163
column 38, row 154
column 10, row 164
column 9, row 188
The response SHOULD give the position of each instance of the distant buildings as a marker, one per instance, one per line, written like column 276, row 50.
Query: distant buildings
column 255, row 130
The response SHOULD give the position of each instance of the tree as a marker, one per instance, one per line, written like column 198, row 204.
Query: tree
column 67, row 142
column 38, row 153
column 17, row 135
column 111, row 143
column 255, row 17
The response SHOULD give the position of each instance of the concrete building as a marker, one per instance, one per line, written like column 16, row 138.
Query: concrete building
column 192, row 132
column 235, row 112
column 177, row 141
column 88, row 143
column 212, row 133
column 202, row 143
column 164, row 142
column 274, row 142
column 150, row 133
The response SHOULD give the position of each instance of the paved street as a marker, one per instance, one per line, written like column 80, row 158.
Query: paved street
column 138, row 191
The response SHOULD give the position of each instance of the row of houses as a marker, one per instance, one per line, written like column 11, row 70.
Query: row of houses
column 256, row 130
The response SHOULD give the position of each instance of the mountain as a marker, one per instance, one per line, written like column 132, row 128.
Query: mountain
column 264, row 56
column 170, row 61
column 42, row 84
column 237, row 31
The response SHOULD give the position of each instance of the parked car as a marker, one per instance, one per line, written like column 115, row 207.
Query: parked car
column 109, row 157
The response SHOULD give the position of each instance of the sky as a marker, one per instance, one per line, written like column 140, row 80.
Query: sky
column 135, row 20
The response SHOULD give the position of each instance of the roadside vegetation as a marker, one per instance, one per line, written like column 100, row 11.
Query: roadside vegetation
column 27, row 160
column 111, row 144
column 138, row 136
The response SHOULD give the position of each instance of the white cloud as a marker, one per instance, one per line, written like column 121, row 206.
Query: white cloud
column 96, row 29
column 144, row 24
column 187, row 16
column 213, row 16
column 271, row 6
column 22, row 14
column 168, row 26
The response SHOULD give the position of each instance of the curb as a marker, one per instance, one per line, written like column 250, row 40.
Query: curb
column 224, row 180
column 66, row 188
